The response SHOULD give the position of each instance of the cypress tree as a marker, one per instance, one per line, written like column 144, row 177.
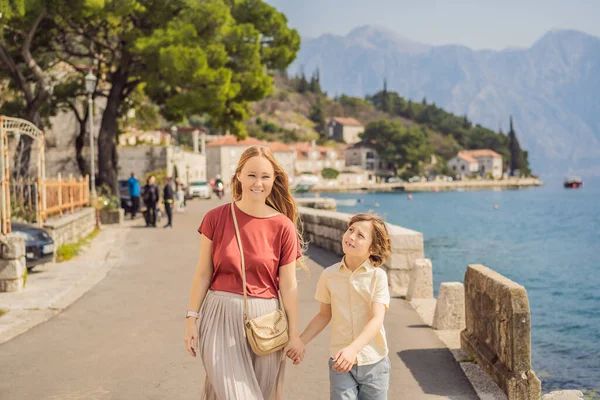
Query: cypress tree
column 517, row 158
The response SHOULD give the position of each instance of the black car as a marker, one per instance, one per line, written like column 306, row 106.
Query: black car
column 126, row 203
column 39, row 246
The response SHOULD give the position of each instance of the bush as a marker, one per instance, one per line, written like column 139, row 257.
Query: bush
column 330, row 173
column 106, row 200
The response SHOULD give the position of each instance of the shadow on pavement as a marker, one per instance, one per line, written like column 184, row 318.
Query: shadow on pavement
column 321, row 256
column 436, row 372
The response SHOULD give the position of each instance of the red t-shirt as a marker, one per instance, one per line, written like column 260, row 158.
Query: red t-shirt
column 268, row 244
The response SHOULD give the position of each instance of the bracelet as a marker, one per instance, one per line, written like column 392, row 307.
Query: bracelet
column 192, row 314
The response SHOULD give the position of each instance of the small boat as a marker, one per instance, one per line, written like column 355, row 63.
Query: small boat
column 573, row 182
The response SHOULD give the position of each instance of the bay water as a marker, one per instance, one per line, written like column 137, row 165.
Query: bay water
column 546, row 239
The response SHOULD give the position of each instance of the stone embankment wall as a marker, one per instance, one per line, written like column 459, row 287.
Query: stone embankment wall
column 512, row 183
column 498, row 331
column 71, row 227
column 325, row 229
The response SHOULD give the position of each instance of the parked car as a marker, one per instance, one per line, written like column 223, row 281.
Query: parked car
column 200, row 189
column 39, row 246
column 124, row 196
column 394, row 179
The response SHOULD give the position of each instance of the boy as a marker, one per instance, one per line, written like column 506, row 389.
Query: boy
column 354, row 296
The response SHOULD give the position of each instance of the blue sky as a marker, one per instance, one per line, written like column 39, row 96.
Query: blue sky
column 478, row 24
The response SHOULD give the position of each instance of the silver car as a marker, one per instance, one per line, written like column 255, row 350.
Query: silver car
column 200, row 189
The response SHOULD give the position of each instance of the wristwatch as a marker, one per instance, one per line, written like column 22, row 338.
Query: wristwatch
column 192, row 314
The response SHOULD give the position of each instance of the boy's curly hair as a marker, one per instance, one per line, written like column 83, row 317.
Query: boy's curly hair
column 381, row 246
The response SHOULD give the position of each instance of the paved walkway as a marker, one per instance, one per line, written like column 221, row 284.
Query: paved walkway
column 124, row 338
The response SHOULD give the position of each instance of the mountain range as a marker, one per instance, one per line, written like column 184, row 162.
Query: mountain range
column 552, row 89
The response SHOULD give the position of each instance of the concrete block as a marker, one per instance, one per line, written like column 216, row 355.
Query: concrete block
column 13, row 247
column 112, row 216
column 12, row 269
column 450, row 307
column 420, row 285
column 398, row 281
column 564, row 395
column 11, row 285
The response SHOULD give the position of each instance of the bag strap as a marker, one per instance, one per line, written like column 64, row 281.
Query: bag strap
column 239, row 240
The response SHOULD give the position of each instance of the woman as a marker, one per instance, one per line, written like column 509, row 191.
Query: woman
column 267, row 217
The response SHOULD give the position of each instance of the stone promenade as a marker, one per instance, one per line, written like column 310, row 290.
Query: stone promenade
column 116, row 331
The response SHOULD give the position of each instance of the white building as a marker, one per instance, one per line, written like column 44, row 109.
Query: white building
column 345, row 130
column 480, row 162
column 364, row 155
column 312, row 158
column 223, row 155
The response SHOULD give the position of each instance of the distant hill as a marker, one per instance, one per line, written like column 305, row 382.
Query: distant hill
column 552, row 89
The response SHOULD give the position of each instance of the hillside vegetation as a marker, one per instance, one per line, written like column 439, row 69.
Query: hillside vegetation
column 407, row 133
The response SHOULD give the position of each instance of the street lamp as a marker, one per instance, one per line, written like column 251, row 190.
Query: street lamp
column 90, row 87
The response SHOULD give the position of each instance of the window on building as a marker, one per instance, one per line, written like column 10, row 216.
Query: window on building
column 380, row 164
column 462, row 167
column 369, row 154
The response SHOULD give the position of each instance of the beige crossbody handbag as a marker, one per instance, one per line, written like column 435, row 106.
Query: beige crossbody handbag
column 267, row 333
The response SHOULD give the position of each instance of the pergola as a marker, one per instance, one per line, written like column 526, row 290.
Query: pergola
column 17, row 126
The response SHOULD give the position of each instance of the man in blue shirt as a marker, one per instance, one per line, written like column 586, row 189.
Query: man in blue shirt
column 134, row 194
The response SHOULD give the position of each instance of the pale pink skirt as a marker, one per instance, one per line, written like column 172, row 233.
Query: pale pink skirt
column 233, row 371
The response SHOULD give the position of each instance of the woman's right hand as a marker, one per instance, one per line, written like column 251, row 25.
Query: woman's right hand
column 191, row 335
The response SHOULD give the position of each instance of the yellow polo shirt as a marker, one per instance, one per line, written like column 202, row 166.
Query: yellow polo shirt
column 350, row 295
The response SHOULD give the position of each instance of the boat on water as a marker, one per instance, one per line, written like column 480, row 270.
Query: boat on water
column 573, row 182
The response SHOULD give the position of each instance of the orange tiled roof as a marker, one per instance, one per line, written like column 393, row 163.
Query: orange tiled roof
column 466, row 157
column 482, row 153
column 278, row 146
column 347, row 121
column 230, row 140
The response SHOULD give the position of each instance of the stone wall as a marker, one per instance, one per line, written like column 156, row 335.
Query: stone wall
column 325, row 229
column 12, row 263
column 317, row 203
column 71, row 227
column 498, row 331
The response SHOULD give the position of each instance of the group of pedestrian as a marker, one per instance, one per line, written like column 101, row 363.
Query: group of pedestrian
column 150, row 194
column 249, row 251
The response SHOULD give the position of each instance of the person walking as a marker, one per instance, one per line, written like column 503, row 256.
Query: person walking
column 150, row 201
column 266, row 214
column 168, row 200
column 134, row 194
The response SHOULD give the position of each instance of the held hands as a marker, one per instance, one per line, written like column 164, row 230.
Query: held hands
column 344, row 359
column 294, row 350
column 191, row 336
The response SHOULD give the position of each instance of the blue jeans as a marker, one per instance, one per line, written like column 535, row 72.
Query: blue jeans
column 364, row 382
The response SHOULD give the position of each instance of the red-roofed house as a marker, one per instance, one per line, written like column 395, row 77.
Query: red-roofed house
column 344, row 130
column 482, row 162
column 313, row 158
column 223, row 155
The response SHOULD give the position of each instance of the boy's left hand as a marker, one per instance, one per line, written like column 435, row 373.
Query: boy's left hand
column 294, row 350
column 344, row 359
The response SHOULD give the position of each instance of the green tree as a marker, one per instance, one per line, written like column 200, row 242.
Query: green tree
column 330, row 173
column 517, row 158
column 25, row 56
column 210, row 57
column 315, row 82
column 318, row 116
column 404, row 147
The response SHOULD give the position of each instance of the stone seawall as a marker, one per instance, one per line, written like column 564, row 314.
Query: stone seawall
column 513, row 183
column 325, row 229
column 498, row 331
